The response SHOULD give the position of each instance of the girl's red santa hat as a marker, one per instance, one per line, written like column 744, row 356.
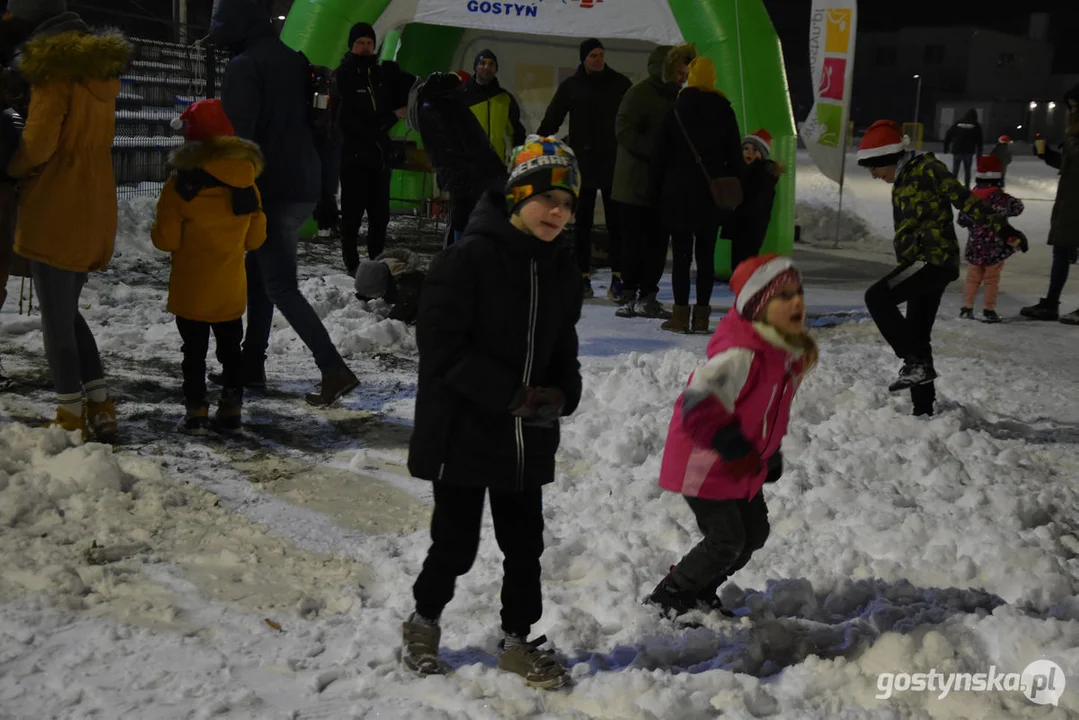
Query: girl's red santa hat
column 203, row 120
column 757, row 279
column 762, row 139
column 989, row 168
column 884, row 144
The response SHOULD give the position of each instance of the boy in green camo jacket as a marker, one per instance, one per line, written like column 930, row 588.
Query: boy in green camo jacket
column 926, row 249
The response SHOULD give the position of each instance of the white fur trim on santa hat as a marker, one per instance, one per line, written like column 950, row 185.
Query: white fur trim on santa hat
column 760, row 278
column 177, row 123
column 884, row 149
column 988, row 176
column 760, row 142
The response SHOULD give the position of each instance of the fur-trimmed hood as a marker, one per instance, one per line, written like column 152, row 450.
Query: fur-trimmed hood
column 232, row 160
column 74, row 55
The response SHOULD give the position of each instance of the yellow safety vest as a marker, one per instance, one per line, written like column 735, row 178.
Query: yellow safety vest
column 494, row 116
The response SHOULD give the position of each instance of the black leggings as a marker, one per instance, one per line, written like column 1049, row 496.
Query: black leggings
column 699, row 244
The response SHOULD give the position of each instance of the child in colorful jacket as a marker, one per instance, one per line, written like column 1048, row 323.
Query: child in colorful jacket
column 209, row 214
column 986, row 252
column 725, row 434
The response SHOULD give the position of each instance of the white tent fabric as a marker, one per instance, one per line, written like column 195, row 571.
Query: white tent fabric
column 649, row 20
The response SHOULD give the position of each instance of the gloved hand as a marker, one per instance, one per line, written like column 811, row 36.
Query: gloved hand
column 775, row 467
column 1017, row 239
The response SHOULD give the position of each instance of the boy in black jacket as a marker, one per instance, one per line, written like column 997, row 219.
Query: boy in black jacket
column 498, row 367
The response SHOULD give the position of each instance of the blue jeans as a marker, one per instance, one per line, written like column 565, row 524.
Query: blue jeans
column 965, row 162
column 271, row 281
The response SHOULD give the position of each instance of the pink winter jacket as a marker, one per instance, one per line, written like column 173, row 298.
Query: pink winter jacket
column 750, row 379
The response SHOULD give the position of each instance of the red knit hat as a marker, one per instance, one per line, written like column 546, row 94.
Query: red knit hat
column 762, row 139
column 882, row 144
column 203, row 120
column 757, row 279
column 989, row 167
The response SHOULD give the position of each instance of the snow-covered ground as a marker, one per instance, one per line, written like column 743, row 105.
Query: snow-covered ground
column 267, row 576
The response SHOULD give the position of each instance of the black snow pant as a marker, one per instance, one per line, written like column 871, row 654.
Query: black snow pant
column 921, row 286
column 733, row 531
column 363, row 190
column 644, row 249
column 699, row 244
column 455, row 539
column 196, row 337
column 586, row 211
column 962, row 161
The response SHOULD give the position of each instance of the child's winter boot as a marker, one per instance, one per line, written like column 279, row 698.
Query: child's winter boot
column 421, row 638
column 670, row 598
column 101, row 417
column 679, row 321
column 196, row 421
column 70, row 422
column 966, row 313
column 990, row 316
column 1046, row 309
column 538, row 667
column 701, row 315
column 914, row 372
column 229, row 417
column 650, row 307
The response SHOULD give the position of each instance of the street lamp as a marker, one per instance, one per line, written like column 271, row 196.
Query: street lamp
column 917, row 98
column 1052, row 106
column 1033, row 105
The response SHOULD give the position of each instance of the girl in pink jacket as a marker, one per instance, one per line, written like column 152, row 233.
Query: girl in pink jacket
column 728, row 424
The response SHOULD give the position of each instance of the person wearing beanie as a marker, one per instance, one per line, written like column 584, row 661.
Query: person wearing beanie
column 496, row 109
column 749, row 223
column 394, row 278
column 372, row 97
column 63, row 160
column 964, row 141
column 723, row 442
column 1003, row 151
column 985, row 252
column 498, row 367
column 264, row 94
column 591, row 97
column 926, row 251
column 209, row 215
column 699, row 140
column 1064, row 225
column 637, row 125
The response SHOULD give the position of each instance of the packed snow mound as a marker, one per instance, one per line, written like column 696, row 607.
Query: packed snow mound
column 818, row 223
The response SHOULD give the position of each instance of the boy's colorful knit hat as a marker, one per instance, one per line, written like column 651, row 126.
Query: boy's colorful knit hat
column 989, row 168
column 883, row 145
column 203, row 120
column 757, row 279
column 541, row 164
column 762, row 139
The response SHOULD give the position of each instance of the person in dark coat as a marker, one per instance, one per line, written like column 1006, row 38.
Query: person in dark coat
column 964, row 141
column 591, row 97
column 372, row 97
column 1064, row 223
column 459, row 149
column 703, row 118
column 263, row 96
column 498, row 368
column 748, row 224
column 498, row 112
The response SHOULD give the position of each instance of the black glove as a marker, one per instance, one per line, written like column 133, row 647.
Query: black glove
column 1016, row 239
column 775, row 467
column 741, row 457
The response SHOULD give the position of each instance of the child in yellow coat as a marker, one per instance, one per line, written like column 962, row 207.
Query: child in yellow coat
column 208, row 216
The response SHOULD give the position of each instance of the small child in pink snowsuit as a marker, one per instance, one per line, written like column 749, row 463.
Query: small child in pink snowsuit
column 728, row 424
column 985, row 251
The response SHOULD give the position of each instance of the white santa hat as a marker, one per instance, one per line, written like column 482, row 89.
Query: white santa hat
column 882, row 145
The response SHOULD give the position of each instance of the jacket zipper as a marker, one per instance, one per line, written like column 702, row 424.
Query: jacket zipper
column 782, row 394
column 533, row 308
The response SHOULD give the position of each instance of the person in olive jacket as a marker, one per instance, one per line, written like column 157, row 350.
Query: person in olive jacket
column 591, row 97
column 498, row 366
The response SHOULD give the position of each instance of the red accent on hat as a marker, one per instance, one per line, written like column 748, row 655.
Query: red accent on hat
column 205, row 119
column 755, row 280
column 762, row 139
column 1004, row 139
column 464, row 75
column 989, row 167
column 884, row 137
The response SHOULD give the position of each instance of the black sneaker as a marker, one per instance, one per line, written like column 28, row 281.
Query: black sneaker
column 913, row 373
column 1045, row 310
column 990, row 316
column 966, row 313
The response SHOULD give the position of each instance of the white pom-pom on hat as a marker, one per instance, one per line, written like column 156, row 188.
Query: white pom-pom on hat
column 177, row 123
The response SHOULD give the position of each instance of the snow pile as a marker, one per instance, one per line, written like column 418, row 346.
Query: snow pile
column 818, row 223
column 135, row 217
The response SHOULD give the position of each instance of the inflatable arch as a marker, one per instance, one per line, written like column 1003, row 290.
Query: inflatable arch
column 424, row 36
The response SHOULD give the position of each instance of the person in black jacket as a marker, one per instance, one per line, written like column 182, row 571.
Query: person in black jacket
column 264, row 94
column 496, row 109
column 372, row 97
column 591, row 98
column 463, row 158
column 964, row 141
column 748, row 225
column 701, row 125
column 498, row 367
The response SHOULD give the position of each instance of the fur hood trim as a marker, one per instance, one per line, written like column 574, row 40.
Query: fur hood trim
column 192, row 155
column 75, row 56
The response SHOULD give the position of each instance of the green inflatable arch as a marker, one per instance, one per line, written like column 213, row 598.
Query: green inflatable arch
column 736, row 34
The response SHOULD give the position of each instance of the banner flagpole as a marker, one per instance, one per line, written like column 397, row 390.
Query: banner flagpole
column 842, row 177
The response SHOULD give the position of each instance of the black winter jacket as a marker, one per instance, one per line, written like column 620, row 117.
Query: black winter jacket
column 965, row 137
column 748, row 225
column 591, row 100
column 685, row 199
column 264, row 94
column 459, row 149
column 368, row 94
column 498, row 311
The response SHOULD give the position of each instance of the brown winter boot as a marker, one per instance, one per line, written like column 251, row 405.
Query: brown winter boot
column 679, row 321
column 701, row 315
column 420, row 652
column 101, row 417
column 70, row 422
column 229, row 417
column 334, row 384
